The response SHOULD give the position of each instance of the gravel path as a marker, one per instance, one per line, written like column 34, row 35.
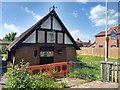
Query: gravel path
column 2, row 81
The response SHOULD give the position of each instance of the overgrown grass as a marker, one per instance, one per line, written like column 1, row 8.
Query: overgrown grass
column 88, row 68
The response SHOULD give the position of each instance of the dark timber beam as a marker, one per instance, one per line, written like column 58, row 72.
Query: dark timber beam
column 37, row 36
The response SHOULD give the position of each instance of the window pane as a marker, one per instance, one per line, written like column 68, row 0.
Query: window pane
column 113, row 46
column 41, row 37
column 35, row 53
column 100, row 46
column 60, row 37
column 113, row 35
column 50, row 37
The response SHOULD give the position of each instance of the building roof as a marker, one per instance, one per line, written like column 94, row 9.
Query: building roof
column 5, row 42
column 116, row 28
column 24, row 35
column 81, row 43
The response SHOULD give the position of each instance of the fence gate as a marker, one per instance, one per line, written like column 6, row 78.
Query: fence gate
column 110, row 71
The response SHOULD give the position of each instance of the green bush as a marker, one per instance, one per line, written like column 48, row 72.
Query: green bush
column 20, row 78
column 43, row 82
column 64, row 85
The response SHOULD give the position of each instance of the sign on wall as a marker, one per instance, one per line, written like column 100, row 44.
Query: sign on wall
column 46, row 54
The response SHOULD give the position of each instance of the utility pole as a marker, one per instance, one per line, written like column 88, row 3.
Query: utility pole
column 106, row 28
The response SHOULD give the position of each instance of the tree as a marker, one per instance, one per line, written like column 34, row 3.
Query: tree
column 9, row 37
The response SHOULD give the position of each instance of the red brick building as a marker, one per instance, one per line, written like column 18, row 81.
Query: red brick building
column 47, row 41
column 113, row 35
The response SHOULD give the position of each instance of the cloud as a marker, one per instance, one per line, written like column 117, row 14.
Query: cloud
column 82, row 1
column 36, row 16
column 77, row 34
column 75, row 14
column 11, row 28
column 98, row 13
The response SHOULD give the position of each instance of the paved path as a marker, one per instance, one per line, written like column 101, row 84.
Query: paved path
column 97, row 84
column 80, row 83
column 2, row 81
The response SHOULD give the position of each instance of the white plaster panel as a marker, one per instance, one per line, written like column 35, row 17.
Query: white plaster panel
column 31, row 38
column 56, row 25
column 67, row 40
column 46, row 24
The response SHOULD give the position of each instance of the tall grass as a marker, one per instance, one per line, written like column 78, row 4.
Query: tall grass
column 89, row 68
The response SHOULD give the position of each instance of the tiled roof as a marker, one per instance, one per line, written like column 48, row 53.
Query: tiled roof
column 116, row 28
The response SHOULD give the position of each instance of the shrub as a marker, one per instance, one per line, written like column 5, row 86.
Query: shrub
column 20, row 78
column 64, row 85
column 41, row 81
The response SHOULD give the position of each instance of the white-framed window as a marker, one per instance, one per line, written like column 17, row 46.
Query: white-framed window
column 113, row 35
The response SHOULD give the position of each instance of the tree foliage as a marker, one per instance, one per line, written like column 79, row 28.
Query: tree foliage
column 10, row 37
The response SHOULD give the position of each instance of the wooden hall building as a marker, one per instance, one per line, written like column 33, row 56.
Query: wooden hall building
column 47, row 41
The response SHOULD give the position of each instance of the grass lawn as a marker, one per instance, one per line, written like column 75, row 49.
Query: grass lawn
column 88, row 68
column 86, row 58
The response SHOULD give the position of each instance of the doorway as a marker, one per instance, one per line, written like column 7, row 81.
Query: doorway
column 46, row 55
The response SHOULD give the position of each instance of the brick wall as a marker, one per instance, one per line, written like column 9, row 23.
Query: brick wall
column 27, row 54
column 101, row 41
column 62, row 57
column 70, row 54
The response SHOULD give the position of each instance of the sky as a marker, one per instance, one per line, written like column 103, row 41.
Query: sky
column 82, row 18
